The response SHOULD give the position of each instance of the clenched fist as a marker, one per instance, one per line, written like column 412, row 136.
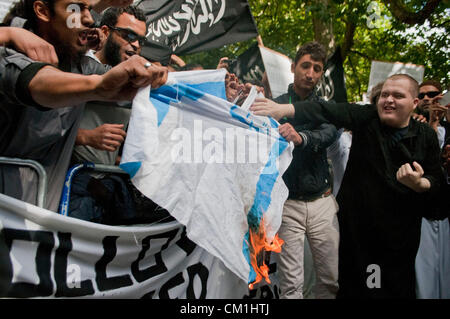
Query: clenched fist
column 413, row 179
column 290, row 134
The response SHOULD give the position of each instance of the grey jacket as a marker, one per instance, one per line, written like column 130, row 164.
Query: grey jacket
column 30, row 131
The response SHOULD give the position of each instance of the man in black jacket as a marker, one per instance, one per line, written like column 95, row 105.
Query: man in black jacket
column 393, row 167
column 311, row 208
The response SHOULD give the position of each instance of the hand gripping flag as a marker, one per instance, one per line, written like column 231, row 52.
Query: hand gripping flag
column 214, row 166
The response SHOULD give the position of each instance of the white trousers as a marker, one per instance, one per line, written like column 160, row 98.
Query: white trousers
column 318, row 221
column 433, row 260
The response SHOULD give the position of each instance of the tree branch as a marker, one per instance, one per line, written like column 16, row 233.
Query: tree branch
column 361, row 54
column 348, row 39
column 402, row 13
column 440, row 25
column 355, row 73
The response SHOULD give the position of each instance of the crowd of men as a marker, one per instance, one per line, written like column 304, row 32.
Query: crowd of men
column 65, row 99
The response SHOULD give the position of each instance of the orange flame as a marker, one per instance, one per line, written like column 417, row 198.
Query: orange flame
column 258, row 246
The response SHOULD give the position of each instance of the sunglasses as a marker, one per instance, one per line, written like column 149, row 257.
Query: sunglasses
column 129, row 35
column 430, row 94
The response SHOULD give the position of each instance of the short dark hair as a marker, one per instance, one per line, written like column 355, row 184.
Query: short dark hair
column 414, row 88
column 111, row 15
column 315, row 49
column 24, row 9
column 434, row 83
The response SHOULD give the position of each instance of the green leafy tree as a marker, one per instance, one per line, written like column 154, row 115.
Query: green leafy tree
column 408, row 31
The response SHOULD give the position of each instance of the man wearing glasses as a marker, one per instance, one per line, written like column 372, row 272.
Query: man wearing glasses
column 124, row 30
column 102, row 130
column 428, row 90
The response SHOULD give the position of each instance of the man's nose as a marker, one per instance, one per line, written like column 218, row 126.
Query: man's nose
column 390, row 99
column 86, row 18
column 136, row 45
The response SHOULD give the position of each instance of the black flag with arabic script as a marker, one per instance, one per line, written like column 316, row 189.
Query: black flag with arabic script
column 332, row 84
column 249, row 66
column 187, row 26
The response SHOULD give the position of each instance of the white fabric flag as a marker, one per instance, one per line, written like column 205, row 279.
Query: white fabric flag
column 214, row 166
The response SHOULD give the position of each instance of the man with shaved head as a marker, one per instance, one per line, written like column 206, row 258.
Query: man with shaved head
column 393, row 167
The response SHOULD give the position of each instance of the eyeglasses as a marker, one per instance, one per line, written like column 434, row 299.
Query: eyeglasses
column 129, row 35
column 430, row 94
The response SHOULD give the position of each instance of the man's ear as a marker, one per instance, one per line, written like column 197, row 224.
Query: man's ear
column 105, row 30
column 293, row 67
column 416, row 102
column 42, row 11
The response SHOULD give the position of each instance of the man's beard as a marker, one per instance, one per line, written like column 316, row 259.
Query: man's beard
column 425, row 112
column 66, row 51
column 112, row 52
column 422, row 111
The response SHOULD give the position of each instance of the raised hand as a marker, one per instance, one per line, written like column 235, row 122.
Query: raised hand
column 233, row 88
column 419, row 118
column 437, row 112
column 223, row 63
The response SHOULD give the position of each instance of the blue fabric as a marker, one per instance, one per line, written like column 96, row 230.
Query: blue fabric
column 262, row 199
column 65, row 195
column 167, row 94
column 213, row 88
column 131, row 168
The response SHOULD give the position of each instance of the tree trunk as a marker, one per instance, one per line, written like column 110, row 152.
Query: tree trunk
column 348, row 39
column 323, row 27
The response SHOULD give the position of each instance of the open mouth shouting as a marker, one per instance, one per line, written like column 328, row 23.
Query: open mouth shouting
column 130, row 53
column 83, row 37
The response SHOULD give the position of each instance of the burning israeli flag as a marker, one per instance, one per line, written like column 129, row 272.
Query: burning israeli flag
column 213, row 165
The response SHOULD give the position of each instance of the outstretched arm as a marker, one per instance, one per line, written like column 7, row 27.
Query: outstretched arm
column 53, row 88
column 345, row 115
